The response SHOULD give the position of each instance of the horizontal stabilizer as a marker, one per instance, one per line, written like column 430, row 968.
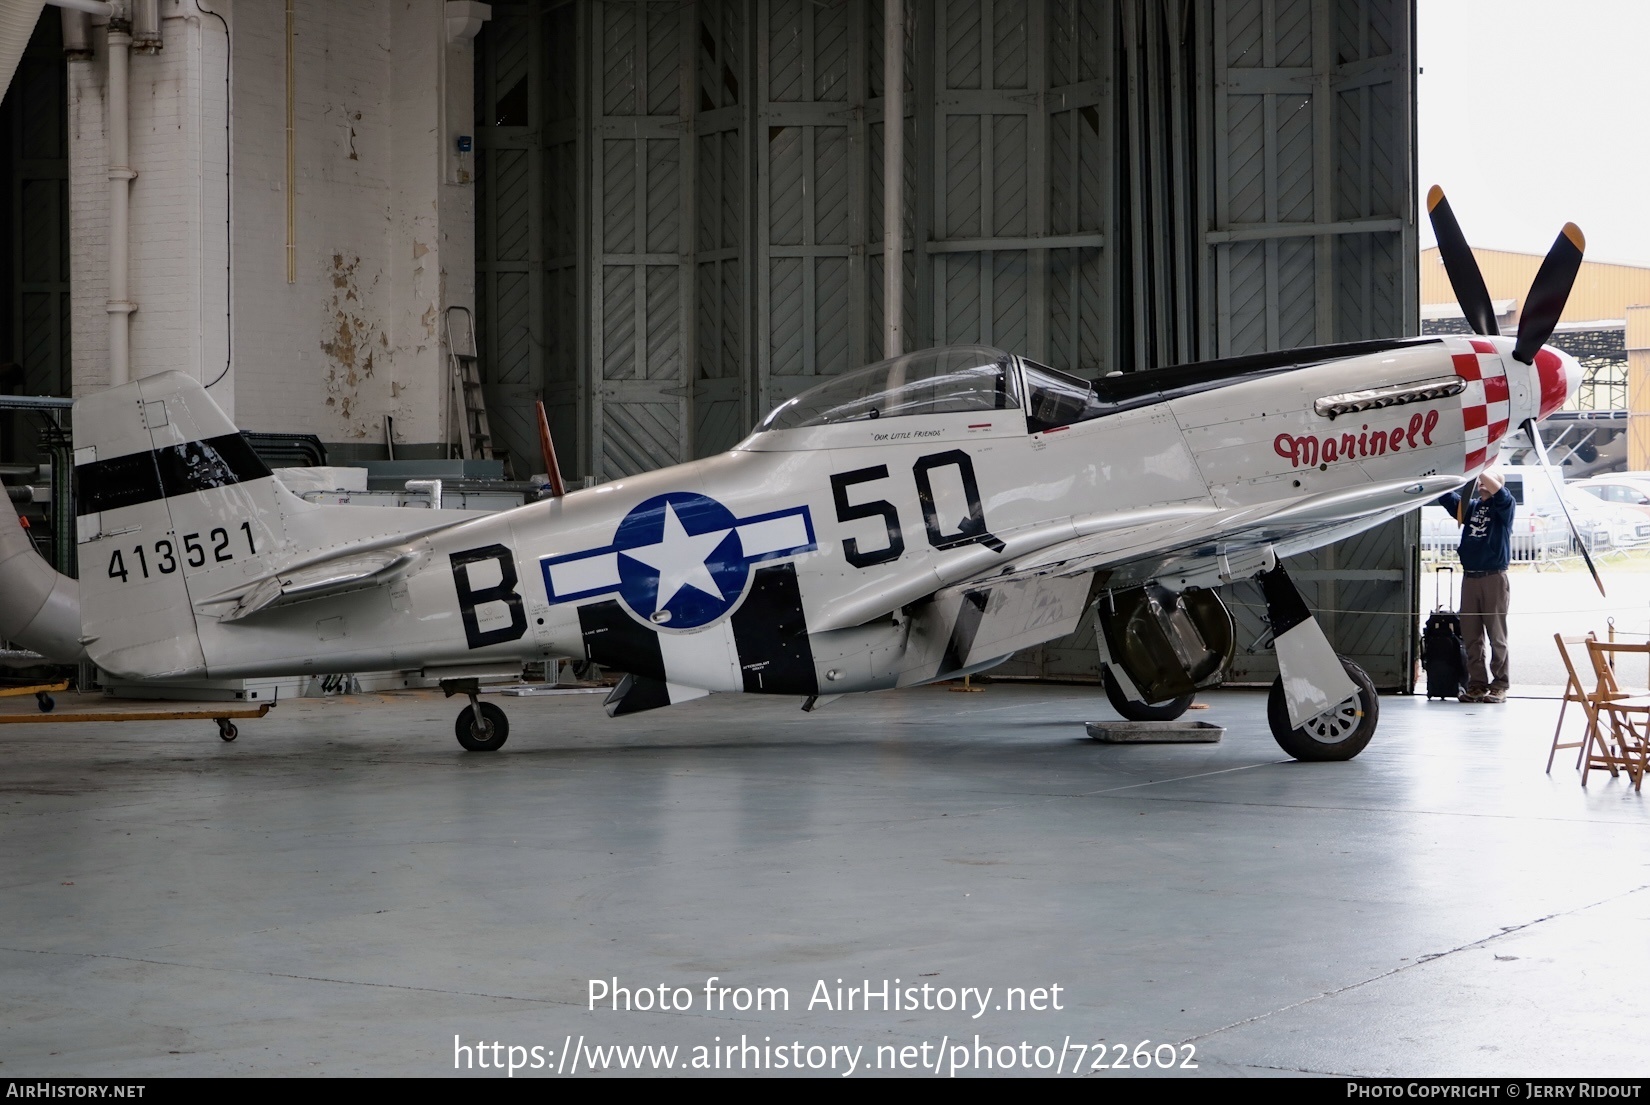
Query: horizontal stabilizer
column 338, row 575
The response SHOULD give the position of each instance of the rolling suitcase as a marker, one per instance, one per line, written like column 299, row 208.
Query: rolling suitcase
column 1443, row 650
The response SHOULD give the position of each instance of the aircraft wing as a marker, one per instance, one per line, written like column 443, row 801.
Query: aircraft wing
column 1114, row 540
column 971, row 564
column 1114, row 547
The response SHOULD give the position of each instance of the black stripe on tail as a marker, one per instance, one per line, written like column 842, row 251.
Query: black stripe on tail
column 162, row 473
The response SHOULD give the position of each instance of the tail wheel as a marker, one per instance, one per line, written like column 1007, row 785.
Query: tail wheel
column 1167, row 710
column 1336, row 734
column 486, row 735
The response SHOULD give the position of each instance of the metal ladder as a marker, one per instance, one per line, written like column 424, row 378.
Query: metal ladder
column 475, row 433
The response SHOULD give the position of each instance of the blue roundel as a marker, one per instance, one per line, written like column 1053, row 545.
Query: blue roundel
column 680, row 561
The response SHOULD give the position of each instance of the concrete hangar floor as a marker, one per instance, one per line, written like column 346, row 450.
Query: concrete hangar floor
column 344, row 891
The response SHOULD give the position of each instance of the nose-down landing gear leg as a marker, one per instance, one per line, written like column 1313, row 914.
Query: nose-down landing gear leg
column 481, row 726
column 1322, row 706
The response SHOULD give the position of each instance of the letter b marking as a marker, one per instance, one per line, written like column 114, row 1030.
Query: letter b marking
column 503, row 591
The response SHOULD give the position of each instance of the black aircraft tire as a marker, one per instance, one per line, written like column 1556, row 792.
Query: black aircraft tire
column 1167, row 710
column 1340, row 735
column 464, row 728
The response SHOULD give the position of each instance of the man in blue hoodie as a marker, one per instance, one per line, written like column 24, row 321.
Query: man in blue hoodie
column 1486, row 550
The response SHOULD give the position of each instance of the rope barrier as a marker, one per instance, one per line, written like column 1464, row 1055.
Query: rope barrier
column 1403, row 614
column 1564, row 560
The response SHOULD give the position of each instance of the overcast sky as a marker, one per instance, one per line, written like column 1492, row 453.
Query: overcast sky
column 1534, row 112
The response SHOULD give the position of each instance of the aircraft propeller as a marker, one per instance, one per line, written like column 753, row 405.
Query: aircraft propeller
column 1543, row 304
column 1557, row 479
column 1461, row 266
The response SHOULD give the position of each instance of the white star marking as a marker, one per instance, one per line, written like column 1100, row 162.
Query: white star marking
column 680, row 559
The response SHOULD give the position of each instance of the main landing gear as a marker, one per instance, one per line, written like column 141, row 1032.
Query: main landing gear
column 1339, row 733
column 1167, row 710
column 1313, row 674
column 1164, row 646
column 481, row 726
column 1168, row 645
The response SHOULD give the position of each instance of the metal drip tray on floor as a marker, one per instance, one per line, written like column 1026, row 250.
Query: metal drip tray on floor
column 1155, row 732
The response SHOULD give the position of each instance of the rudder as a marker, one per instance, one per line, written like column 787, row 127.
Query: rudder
column 172, row 506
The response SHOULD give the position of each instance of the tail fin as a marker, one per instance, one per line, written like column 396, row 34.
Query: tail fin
column 173, row 505
column 183, row 529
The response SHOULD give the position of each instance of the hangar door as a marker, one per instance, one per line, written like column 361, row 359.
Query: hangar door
column 1313, row 241
column 34, row 235
column 1299, row 165
column 680, row 218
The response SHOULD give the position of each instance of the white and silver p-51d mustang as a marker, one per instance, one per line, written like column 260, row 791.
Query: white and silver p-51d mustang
column 919, row 519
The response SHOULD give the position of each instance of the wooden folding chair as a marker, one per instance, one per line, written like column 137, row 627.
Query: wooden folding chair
column 1621, row 733
column 1574, row 691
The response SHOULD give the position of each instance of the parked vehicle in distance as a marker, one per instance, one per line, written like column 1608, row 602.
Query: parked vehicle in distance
column 1606, row 525
column 1628, row 491
column 1531, row 488
column 1603, row 525
column 1539, row 530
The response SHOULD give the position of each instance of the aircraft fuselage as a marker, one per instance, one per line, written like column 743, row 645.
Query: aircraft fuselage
column 817, row 559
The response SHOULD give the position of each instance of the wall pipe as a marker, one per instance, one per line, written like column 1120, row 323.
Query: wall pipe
column 145, row 26
column 77, row 37
column 291, row 152
column 120, row 306
column 90, row 7
column 893, row 176
column 228, row 194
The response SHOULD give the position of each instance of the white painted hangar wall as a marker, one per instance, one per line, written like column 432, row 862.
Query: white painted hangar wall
column 383, row 229
column 179, row 190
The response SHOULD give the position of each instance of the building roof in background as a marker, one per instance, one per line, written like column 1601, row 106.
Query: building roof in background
column 1452, row 309
column 1602, row 290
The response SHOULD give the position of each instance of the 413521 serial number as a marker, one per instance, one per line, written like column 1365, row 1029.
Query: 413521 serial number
column 164, row 558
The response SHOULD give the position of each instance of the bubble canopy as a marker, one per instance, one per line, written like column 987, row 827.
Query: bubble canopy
column 948, row 380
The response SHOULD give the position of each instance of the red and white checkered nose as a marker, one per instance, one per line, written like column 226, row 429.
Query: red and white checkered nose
column 1486, row 407
column 1560, row 375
